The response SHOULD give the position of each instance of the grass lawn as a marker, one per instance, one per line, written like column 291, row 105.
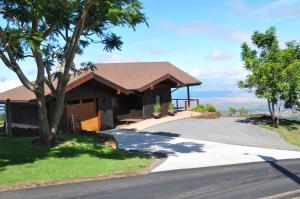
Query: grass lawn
column 288, row 130
column 21, row 162
column 1, row 120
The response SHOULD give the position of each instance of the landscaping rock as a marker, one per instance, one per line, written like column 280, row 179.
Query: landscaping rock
column 107, row 140
column 208, row 115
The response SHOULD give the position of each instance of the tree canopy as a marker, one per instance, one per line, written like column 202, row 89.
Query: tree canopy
column 53, row 32
column 274, row 73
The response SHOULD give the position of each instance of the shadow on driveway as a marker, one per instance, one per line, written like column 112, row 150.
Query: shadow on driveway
column 132, row 140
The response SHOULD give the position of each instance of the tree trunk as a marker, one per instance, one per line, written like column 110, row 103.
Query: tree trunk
column 58, row 111
column 277, row 120
column 46, row 137
column 271, row 110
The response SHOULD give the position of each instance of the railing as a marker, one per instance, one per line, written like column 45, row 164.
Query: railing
column 2, row 107
column 185, row 103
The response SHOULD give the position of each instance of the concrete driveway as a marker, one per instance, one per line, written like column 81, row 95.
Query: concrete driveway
column 184, row 153
column 237, row 131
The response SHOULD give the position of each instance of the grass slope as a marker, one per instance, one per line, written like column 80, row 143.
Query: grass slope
column 288, row 130
column 79, row 156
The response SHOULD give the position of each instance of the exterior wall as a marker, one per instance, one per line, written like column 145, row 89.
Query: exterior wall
column 104, row 98
column 109, row 104
column 24, row 113
column 128, row 106
column 150, row 100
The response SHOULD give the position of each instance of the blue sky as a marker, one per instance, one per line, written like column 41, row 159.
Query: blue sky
column 201, row 37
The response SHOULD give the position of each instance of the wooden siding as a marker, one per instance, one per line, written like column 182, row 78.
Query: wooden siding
column 104, row 96
column 150, row 100
column 25, row 113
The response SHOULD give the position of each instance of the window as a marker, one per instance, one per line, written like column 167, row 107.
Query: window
column 88, row 100
column 72, row 102
column 157, row 99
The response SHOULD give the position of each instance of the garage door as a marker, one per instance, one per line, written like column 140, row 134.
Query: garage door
column 87, row 113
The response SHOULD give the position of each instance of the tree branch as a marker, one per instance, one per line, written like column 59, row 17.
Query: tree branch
column 49, row 31
column 49, row 81
column 76, row 36
column 16, row 68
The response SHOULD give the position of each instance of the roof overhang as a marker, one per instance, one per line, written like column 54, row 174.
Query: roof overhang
column 161, row 79
column 101, row 80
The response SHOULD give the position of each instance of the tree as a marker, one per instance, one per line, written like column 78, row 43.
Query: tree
column 291, row 58
column 273, row 72
column 232, row 111
column 53, row 32
column 243, row 111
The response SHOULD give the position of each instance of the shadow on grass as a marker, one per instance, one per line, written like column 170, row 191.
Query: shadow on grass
column 17, row 151
column 266, row 120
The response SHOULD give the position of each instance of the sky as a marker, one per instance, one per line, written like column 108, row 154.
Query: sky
column 202, row 38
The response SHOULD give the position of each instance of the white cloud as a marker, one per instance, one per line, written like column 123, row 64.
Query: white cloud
column 240, row 36
column 219, row 55
column 113, row 58
column 208, row 28
column 9, row 84
column 189, row 28
column 195, row 72
column 268, row 12
column 231, row 73
column 158, row 51
column 237, row 5
column 2, row 78
column 219, row 79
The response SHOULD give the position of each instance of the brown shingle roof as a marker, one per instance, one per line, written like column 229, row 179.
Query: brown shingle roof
column 126, row 76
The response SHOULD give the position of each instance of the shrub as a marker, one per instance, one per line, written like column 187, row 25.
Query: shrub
column 156, row 108
column 211, row 108
column 243, row 112
column 205, row 108
column 200, row 108
column 171, row 107
column 232, row 111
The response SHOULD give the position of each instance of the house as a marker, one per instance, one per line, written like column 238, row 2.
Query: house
column 106, row 95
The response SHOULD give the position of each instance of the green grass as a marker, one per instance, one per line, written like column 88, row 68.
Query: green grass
column 205, row 108
column 288, row 130
column 1, row 120
column 21, row 162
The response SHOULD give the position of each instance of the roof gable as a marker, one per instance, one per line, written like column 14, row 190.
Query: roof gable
column 124, row 77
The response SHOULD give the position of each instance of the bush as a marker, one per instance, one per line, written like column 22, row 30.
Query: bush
column 211, row 108
column 205, row 108
column 243, row 112
column 200, row 108
column 156, row 108
column 232, row 111
column 171, row 107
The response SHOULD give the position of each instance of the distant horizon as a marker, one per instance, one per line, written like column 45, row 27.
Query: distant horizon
column 201, row 41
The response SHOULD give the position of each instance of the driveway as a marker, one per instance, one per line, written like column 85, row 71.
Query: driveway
column 184, row 153
column 226, row 130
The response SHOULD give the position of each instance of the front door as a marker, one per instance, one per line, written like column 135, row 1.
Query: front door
column 87, row 113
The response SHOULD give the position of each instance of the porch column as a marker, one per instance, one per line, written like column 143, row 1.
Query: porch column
column 8, row 118
column 188, row 97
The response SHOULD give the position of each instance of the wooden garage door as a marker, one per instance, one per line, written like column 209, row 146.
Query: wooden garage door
column 87, row 113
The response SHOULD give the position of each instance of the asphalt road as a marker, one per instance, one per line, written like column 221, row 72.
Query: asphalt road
column 238, row 181
column 228, row 130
